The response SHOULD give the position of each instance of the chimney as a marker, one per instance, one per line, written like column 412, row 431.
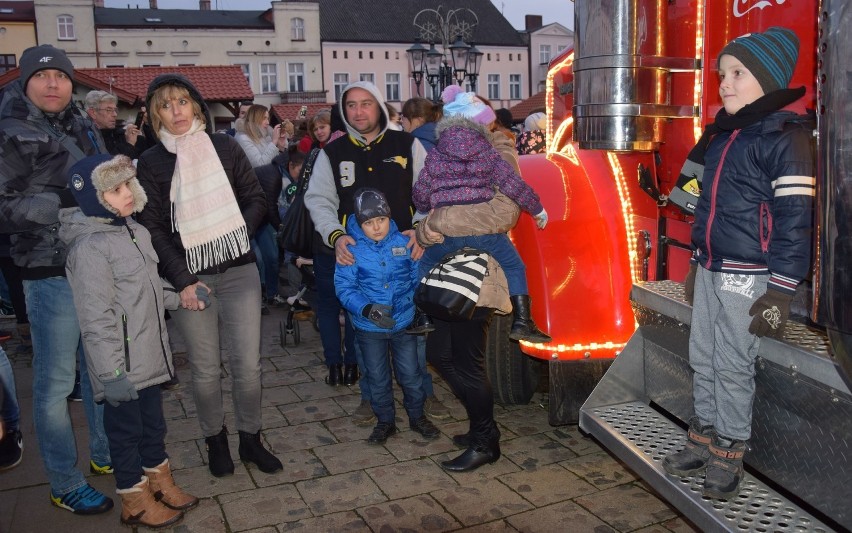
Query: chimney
column 532, row 22
column 204, row 5
column 153, row 4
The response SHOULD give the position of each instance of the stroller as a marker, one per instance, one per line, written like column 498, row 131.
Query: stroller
column 298, row 311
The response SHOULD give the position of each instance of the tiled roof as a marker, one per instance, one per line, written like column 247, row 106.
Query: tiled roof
column 391, row 21
column 523, row 109
column 291, row 111
column 18, row 12
column 216, row 84
column 130, row 85
column 110, row 17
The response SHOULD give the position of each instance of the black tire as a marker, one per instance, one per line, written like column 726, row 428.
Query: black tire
column 514, row 375
column 297, row 335
column 282, row 330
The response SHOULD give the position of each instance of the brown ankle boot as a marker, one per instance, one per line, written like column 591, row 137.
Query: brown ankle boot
column 164, row 489
column 138, row 507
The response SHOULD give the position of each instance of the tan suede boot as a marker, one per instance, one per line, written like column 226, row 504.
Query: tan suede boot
column 164, row 489
column 138, row 507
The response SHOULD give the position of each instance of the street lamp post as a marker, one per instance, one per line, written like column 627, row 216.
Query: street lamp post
column 455, row 61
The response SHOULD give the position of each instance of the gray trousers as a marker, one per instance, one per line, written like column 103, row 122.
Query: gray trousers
column 232, row 321
column 722, row 351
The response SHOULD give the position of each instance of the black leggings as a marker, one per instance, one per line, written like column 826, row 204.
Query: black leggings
column 457, row 351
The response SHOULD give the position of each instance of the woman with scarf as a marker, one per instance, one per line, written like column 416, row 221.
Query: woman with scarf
column 750, row 180
column 204, row 205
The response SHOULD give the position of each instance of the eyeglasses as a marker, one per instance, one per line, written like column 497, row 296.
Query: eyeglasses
column 108, row 110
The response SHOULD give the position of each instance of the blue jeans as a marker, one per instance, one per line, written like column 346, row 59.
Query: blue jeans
column 56, row 349
column 376, row 348
column 137, row 430
column 10, row 413
column 266, row 250
column 496, row 244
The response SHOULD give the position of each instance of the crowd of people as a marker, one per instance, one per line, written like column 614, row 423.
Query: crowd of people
column 106, row 231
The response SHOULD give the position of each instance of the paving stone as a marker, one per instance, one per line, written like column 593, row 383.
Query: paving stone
column 600, row 469
column 526, row 421
column 263, row 507
column 340, row 493
column 270, row 417
column 206, row 517
column 401, row 480
column 346, row 521
column 299, row 437
column 571, row 438
column 533, row 451
column 492, row 471
column 311, row 411
column 409, row 445
column 315, row 390
column 300, row 360
column 278, row 396
column 182, row 430
column 355, row 455
column 200, row 482
column 497, row 526
column 626, row 507
column 556, row 517
column 173, row 410
column 298, row 465
column 290, row 376
column 420, row 513
column 481, row 501
column 547, row 484
column 345, row 431
column 184, row 454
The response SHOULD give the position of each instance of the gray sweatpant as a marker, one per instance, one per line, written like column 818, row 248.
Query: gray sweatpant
column 722, row 351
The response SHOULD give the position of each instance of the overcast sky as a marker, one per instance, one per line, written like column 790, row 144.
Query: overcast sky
column 561, row 11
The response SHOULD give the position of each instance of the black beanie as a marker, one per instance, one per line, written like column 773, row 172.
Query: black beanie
column 370, row 203
column 43, row 57
column 770, row 56
column 90, row 177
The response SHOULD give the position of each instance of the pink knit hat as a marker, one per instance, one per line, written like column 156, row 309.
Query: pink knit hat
column 467, row 105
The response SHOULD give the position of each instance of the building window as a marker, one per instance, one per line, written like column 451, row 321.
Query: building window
column 561, row 48
column 360, row 54
column 514, row 86
column 371, row 54
column 544, row 54
column 367, row 77
column 7, row 62
column 334, row 54
column 346, row 54
column 296, row 77
column 65, row 27
column 246, row 71
column 498, row 57
column 493, row 86
column 268, row 78
column 387, row 55
column 392, row 87
column 340, row 82
column 297, row 29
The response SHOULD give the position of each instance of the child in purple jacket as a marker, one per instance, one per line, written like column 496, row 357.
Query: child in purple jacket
column 464, row 169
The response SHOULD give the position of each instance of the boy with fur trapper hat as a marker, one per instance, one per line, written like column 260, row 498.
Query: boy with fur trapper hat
column 119, row 298
column 464, row 168
column 751, row 241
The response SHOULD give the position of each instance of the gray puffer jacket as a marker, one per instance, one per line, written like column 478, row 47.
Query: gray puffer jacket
column 119, row 298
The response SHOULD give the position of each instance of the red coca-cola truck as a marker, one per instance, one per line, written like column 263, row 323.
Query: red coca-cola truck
column 625, row 108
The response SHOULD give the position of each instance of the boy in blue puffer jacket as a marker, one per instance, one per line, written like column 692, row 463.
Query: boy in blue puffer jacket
column 378, row 291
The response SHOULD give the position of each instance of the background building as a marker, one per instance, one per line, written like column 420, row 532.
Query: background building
column 17, row 32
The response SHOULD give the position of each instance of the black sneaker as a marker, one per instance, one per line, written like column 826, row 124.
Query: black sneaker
column 381, row 432
column 425, row 427
column 11, row 449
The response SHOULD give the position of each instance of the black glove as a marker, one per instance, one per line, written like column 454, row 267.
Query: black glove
column 119, row 389
column 202, row 294
column 770, row 313
column 689, row 283
column 379, row 314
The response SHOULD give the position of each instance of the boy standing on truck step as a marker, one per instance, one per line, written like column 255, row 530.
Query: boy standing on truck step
column 751, row 245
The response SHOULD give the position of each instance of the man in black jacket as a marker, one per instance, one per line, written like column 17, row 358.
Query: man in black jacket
column 102, row 108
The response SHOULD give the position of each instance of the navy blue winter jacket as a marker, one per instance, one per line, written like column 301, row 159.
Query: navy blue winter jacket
column 383, row 273
column 755, row 212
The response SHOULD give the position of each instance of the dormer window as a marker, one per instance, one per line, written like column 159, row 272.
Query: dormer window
column 65, row 28
column 153, row 19
column 297, row 29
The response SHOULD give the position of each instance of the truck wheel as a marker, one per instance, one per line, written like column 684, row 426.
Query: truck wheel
column 514, row 375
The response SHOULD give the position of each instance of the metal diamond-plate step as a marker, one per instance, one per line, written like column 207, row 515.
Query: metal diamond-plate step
column 641, row 437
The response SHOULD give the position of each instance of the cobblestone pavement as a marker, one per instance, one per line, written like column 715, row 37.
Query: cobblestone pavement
column 549, row 479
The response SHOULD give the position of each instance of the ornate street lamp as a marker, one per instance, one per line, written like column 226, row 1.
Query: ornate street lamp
column 474, row 57
column 440, row 70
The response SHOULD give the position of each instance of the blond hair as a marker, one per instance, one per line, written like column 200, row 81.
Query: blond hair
column 165, row 94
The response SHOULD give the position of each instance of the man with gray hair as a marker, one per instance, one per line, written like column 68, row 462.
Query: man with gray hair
column 102, row 108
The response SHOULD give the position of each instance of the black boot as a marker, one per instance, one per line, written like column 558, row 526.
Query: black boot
column 725, row 469
column 462, row 441
column 523, row 327
column 252, row 451
column 350, row 375
column 335, row 375
column 479, row 452
column 421, row 324
column 692, row 459
column 219, row 455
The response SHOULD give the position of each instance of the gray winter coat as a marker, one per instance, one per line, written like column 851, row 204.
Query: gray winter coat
column 119, row 298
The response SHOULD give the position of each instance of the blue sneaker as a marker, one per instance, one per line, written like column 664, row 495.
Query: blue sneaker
column 100, row 469
column 85, row 500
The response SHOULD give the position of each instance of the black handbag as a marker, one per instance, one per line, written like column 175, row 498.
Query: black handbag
column 297, row 227
column 450, row 290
